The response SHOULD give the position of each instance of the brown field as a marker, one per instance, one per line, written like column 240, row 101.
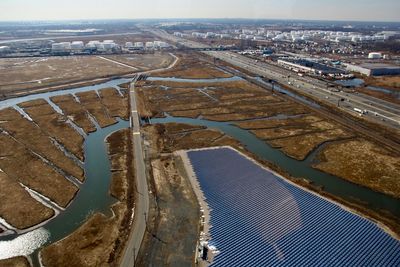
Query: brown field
column 91, row 101
column 177, row 220
column 54, row 124
column 392, row 82
column 21, row 74
column 145, row 61
column 116, row 104
column 23, row 166
column 274, row 123
column 299, row 147
column 17, row 207
column 364, row 163
column 394, row 97
column 100, row 240
column 215, row 101
column 75, row 112
column 190, row 66
column 118, row 153
column 90, row 245
column 241, row 102
column 38, row 141
column 296, row 137
column 180, row 136
column 15, row 262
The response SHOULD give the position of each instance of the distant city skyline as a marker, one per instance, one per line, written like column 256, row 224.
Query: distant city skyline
column 351, row 10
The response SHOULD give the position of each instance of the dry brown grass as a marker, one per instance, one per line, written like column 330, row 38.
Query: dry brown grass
column 36, row 140
column 298, row 147
column 228, row 101
column 145, row 61
column 74, row 111
column 189, row 66
column 116, row 104
column 90, row 245
column 15, row 262
column 91, row 101
column 55, row 125
column 17, row 207
column 293, row 130
column 20, row 74
column 175, row 136
column 117, row 150
column 364, row 163
column 23, row 166
column 384, row 81
column 273, row 123
column 177, row 220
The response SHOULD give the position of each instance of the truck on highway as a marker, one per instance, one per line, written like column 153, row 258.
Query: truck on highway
column 360, row 111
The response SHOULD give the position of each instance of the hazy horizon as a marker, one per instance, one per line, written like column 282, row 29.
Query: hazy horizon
column 339, row 10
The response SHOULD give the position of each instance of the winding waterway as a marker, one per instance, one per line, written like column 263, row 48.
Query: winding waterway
column 93, row 195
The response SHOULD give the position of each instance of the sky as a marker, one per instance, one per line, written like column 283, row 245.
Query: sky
column 365, row 10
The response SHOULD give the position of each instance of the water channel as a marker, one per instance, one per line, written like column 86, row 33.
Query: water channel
column 93, row 195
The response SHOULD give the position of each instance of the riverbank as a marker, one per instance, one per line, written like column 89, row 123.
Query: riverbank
column 100, row 240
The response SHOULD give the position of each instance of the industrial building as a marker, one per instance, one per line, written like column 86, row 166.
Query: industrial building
column 374, row 69
column 305, row 65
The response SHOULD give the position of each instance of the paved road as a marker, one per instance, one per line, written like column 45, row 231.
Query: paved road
column 142, row 200
column 141, row 209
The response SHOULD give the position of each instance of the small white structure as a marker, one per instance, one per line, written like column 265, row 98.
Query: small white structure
column 375, row 55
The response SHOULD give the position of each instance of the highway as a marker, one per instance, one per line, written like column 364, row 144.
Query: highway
column 376, row 109
column 142, row 192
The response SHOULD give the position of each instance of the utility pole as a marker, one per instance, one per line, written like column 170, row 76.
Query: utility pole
column 134, row 256
column 273, row 85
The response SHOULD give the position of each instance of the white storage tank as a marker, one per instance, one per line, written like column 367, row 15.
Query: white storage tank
column 375, row 55
column 61, row 47
column 139, row 45
column 149, row 45
column 77, row 45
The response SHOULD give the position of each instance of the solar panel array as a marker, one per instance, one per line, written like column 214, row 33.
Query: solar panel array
column 259, row 219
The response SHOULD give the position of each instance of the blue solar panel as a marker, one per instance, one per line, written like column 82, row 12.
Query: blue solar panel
column 259, row 219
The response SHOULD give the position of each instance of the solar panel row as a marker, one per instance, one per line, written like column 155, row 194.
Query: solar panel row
column 260, row 219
